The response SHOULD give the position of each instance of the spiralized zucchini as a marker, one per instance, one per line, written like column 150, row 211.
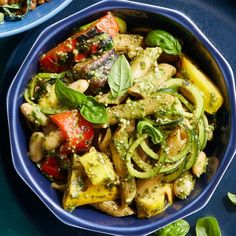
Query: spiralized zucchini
column 149, row 133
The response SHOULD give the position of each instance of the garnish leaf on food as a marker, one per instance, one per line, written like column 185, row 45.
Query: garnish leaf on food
column 232, row 197
column 178, row 228
column 68, row 96
column 207, row 226
column 94, row 111
column 146, row 126
column 164, row 40
column 90, row 109
column 120, row 78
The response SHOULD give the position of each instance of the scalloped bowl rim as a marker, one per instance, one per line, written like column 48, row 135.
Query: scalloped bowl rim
column 192, row 207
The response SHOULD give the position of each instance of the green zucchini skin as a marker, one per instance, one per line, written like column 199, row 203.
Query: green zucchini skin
column 202, row 134
column 191, row 158
column 168, row 178
column 168, row 168
column 185, row 150
column 197, row 97
column 148, row 171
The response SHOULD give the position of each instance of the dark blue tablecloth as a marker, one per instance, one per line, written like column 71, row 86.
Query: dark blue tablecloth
column 21, row 212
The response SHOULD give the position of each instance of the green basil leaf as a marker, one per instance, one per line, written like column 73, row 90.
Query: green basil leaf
column 207, row 226
column 164, row 40
column 178, row 228
column 120, row 78
column 90, row 109
column 146, row 126
column 68, row 96
column 232, row 198
column 94, row 112
column 38, row 79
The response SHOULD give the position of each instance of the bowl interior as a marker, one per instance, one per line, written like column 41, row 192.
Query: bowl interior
column 86, row 217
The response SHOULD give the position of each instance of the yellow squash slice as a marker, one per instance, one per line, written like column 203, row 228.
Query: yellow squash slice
column 211, row 94
column 80, row 191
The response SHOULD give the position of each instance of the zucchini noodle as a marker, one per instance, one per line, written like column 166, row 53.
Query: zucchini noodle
column 149, row 171
column 195, row 93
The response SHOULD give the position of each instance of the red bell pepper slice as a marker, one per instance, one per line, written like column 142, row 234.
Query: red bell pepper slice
column 67, row 51
column 50, row 167
column 77, row 131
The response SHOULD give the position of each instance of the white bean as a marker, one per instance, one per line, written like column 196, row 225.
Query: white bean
column 53, row 140
column 36, row 146
column 184, row 185
column 33, row 114
column 80, row 85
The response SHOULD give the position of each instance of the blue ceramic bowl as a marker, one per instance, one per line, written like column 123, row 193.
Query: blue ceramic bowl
column 33, row 18
column 200, row 49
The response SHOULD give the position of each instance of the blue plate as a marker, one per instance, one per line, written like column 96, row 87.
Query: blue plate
column 33, row 18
